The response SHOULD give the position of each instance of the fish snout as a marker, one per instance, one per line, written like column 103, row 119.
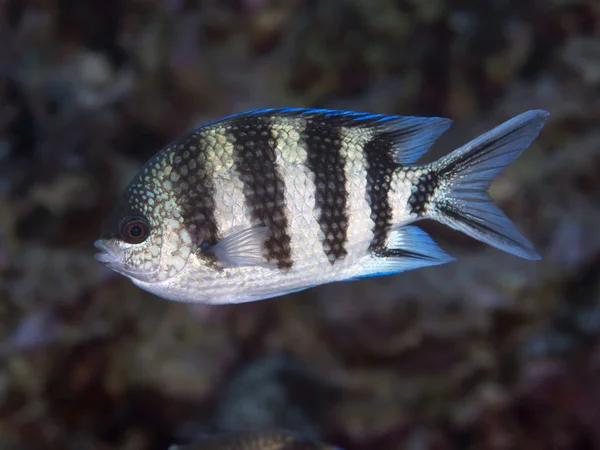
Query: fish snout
column 107, row 254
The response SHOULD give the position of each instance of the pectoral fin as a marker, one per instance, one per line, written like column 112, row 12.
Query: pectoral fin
column 244, row 248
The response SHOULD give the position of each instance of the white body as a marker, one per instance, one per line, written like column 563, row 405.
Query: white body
column 183, row 189
column 311, row 265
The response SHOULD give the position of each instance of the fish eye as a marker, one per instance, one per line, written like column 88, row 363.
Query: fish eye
column 134, row 230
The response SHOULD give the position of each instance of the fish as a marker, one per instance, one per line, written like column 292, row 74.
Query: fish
column 264, row 203
column 254, row 440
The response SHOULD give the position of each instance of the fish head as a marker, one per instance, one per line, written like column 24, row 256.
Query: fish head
column 144, row 237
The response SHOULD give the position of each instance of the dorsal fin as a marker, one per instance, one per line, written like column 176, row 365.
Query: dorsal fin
column 411, row 136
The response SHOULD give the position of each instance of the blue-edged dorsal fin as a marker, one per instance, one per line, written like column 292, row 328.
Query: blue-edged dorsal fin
column 411, row 136
column 408, row 248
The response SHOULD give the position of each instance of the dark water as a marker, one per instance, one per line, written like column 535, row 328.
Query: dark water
column 489, row 352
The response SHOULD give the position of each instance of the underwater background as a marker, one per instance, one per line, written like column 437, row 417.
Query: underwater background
column 490, row 352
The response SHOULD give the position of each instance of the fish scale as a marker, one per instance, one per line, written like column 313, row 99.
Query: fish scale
column 380, row 167
column 193, row 186
column 327, row 162
column 300, row 191
column 230, row 206
column 264, row 187
column 265, row 203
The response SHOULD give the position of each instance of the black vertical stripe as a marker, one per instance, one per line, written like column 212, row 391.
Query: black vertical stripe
column 264, row 188
column 425, row 187
column 324, row 159
column 194, row 188
column 380, row 168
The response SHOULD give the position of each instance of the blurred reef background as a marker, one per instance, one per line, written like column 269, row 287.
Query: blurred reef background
column 490, row 352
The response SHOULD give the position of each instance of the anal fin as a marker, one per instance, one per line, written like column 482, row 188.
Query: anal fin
column 408, row 248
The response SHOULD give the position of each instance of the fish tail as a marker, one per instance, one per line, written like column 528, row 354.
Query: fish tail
column 463, row 177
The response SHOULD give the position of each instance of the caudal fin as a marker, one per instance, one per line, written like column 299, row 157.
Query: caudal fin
column 465, row 175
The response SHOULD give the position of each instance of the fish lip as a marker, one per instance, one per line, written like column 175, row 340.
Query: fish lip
column 107, row 255
column 112, row 259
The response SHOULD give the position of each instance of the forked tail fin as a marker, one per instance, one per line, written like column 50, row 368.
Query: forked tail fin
column 461, row 200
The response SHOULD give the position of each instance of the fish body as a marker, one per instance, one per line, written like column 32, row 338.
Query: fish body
column 268, row 202
column 254, row 440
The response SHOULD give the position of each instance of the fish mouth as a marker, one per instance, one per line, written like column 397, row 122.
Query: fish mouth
column 115, row 260
column 107, row 255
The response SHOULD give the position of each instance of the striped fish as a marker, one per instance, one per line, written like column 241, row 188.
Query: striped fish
column 268, row 202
